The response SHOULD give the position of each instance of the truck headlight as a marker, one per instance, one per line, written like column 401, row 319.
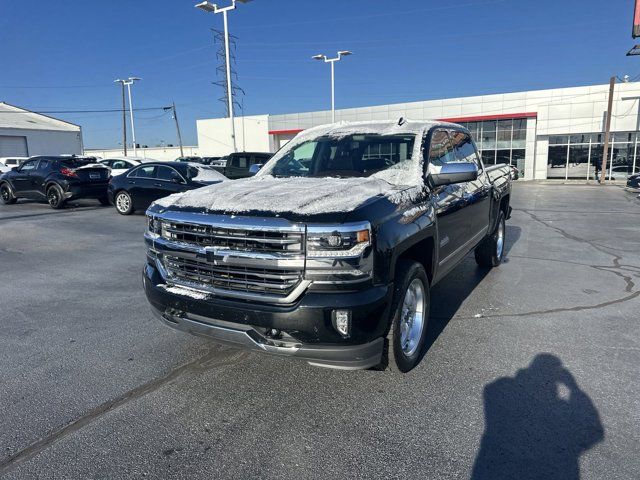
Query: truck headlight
column 339, row 253
column 154, row 225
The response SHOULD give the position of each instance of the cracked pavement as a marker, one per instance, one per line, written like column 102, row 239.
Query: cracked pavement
column 532, row 368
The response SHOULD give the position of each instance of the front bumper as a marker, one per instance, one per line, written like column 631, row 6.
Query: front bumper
column 307, row 323
column 344, row 357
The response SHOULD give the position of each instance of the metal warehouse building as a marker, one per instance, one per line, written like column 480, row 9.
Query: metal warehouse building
column 548, row 134
column 24, row 133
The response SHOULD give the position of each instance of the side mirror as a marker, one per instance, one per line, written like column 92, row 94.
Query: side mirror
column 176, row 180
column 454, row 173
column 255, row 168
column 15, row 169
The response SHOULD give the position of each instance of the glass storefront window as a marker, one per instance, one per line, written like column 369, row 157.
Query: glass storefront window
column 558, row 139
column 489, row 157
column 503, row 156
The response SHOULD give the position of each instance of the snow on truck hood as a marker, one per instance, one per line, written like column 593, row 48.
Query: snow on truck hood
column 304, row 196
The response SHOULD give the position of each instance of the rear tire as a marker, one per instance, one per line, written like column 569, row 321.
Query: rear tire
column 104, row 201
column 55, row 197
column 490, row 252
column 407, row 334
column 6, row 195
column 124, row 203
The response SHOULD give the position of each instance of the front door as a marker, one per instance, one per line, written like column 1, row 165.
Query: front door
column 453, row 224
column 22, row 179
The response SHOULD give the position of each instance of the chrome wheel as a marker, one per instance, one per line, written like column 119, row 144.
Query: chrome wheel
column 123, row 202
column 412, row 317
column 500, row 240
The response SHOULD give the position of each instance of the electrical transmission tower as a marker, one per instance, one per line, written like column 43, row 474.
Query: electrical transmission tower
column 221, row 72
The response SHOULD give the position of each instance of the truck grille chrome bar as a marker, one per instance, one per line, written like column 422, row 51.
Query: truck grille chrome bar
column 235, row 258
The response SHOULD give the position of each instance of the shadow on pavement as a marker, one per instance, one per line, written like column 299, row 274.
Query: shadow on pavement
column 537, row 424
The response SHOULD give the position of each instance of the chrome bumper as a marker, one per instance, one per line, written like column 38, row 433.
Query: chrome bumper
column 343, row 357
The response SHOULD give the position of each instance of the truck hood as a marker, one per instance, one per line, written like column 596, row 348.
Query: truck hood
column 294, row 198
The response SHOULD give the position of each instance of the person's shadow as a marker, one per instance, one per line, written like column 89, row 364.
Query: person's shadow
column 537, row 424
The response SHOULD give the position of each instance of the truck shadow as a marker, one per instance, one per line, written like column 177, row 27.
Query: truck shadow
column 447, row 296
column 537, row 424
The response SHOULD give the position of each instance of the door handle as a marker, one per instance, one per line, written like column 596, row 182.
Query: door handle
column 157, row 184
column 131, row 182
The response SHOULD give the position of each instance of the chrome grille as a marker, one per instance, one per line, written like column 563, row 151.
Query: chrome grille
column 246, row 240
column 243, row 279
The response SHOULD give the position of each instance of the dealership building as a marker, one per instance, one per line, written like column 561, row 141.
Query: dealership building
column 24, row 133
column 547, row 134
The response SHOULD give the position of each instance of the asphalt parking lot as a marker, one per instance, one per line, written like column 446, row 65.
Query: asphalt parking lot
column 532, row 369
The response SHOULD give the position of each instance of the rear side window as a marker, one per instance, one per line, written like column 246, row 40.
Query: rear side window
column 144, row 172
column 119, row 164
column 167, row 173
column 240, row 162
column 44, row 164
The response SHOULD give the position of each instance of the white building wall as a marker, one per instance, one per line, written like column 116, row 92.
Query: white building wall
column 48, row 142
column 252, row 135
column 165, row 154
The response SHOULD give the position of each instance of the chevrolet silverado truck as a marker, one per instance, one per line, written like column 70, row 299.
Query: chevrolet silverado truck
column 329, row 253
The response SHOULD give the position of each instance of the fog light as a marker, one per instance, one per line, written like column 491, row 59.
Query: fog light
column 342, row 322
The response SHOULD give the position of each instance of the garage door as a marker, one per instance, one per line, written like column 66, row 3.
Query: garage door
column 13, row 146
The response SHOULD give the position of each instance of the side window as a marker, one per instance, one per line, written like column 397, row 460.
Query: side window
column 119, row 164
column 464, row 148
column 144, row 172
column 29, row 166
column 168, row 174
column 242, row 162
column 440, row 151
column 44, row 164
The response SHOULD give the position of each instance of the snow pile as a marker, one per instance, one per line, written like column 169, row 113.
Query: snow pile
column 306, row 196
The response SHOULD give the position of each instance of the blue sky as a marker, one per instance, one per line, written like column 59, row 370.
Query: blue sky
column 65, row 55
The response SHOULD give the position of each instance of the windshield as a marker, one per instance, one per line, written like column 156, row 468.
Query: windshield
column 348, row 156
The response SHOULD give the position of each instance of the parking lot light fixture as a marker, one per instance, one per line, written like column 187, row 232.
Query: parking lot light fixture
column 214, row 8
column 332, row 61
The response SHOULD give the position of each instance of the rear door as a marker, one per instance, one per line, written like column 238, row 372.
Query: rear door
column 39, row 176
column 168, row 181
column 453, row 223
column 477, row 194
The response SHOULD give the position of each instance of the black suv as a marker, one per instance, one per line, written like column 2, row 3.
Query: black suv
column 56, row 180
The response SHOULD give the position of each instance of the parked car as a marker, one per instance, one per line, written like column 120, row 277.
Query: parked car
column 119, row 165
column 329, row 253
column 55, row 180
column 142, row 185
column 237, row 165
column 210, row 160
column 633, row 182
column 7, row 163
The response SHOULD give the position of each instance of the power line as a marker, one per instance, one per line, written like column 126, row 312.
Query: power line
column 114, row 110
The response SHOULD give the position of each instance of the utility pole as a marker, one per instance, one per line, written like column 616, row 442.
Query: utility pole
column 607, row 131
column 175, row 117
column 124, row 118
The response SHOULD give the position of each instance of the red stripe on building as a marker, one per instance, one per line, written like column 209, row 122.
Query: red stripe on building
column 285, row 132
column 477, row 118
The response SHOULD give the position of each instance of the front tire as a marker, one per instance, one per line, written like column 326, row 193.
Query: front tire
column 6, row 195
column 490, row 252
column 55, row 197
column 124, row 203
column 407, row 334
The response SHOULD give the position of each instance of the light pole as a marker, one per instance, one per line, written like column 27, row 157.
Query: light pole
column 332, row 61
column 124, row 118
column 128, row 82
column 213, row 8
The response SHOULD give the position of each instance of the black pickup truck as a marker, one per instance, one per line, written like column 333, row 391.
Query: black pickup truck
column 328, row 254
column 238, row 165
